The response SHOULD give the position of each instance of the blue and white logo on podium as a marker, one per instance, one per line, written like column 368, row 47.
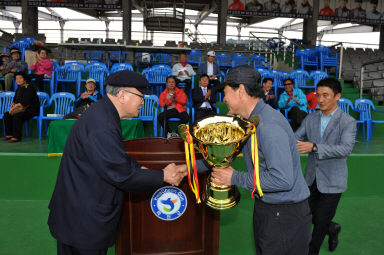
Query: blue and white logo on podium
column 168, row 203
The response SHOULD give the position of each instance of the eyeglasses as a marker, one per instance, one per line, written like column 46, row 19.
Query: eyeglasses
column 141, row 96
column 288, row 84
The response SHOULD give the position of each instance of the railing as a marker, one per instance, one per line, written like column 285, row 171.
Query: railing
column 362, row 73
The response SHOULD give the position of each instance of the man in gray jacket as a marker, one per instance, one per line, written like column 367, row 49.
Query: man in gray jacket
column 328, row 136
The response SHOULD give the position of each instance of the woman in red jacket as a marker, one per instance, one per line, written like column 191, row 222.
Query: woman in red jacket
column 173, row 100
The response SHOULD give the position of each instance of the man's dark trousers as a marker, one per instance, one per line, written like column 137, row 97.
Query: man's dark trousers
column 282, row 229
column 63, row 249
column 323, row 208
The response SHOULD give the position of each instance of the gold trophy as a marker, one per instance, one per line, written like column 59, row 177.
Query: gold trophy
column 219, row 139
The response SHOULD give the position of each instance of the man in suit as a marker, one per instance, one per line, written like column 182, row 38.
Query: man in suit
column 211, row 69
column 95, row 172
column 203, row 99
column 328, row 136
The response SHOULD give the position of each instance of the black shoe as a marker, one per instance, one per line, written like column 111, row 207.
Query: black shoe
column 333, row 239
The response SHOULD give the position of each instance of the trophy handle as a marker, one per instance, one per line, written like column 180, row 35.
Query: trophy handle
column 182, row 130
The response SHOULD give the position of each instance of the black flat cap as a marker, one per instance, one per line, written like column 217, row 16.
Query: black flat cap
column 243, row 75
column 127, row 78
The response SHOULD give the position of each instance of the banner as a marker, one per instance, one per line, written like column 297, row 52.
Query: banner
column 356, row 11
column 93, row 4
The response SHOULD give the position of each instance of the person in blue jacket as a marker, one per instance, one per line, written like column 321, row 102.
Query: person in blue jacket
column 95, row 171
column 295, row 102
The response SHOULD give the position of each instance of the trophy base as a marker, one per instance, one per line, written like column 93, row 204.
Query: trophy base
column 220, row 197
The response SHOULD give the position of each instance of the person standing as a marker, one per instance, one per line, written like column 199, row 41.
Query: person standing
column 95, row 171
column 328, row 137
column 282, row 217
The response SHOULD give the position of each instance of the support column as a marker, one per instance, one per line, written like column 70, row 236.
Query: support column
column 381, row 40
column 62, row 24
column 29, row 19
column 107, row 29
column 127, row 20
column 310, row 27
column 222, row 22
column 17, row 26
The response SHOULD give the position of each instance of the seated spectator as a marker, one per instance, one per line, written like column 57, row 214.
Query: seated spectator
column 13, row 66
column 25, row 105
column 183, row 72
column 211, row 69
column 4, row 60
column 203, row 99
column 173, row 100
column 269, row 93
column 295, row 102
column 43, row 67
column 312, row 100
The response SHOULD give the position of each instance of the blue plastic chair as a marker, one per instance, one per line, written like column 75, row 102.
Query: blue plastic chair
column 93, row 55
column 317, row 76
column 366, row 107
column 300, row 78
column 194, row 58
column 259, row 61
column 70, row 73
column 149, row 111
column 173, row 119
column 327, row 58
column 345, row 105
column 114, row 57
column 120, row 67
column 157, row 77
column 140, row 62
column 163, row 59
column 308, row 58
column 239, row 60
column 63, row 104
column 97, row 71
column 6, row 99
column 43, row 99
column 223, row 60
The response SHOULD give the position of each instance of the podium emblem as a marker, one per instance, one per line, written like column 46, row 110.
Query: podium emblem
column 168, row 203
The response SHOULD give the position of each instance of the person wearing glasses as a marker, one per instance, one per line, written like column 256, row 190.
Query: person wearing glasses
column 95, row 171
column 173, row 100
column 294, row 101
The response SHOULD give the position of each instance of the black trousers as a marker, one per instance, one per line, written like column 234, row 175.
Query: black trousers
column 282, row 229
column 188, row 83
column 63, row 249
column 39, row 81
column 297, row 116
column 323, row 207
column 14, row 123
column 203, row 112
column 172, row 113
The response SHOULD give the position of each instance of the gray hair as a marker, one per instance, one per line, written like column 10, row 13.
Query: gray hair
column 112, row 90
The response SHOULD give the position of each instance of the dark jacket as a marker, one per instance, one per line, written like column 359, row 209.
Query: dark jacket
column 203, row 69
column 198, row 98
column 27, row 96
column 94, row 173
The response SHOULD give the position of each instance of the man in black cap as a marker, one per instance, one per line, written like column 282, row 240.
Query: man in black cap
column 281, row 217
column 95, row 172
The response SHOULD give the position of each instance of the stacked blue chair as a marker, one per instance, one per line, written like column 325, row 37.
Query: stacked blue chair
column 121, row 66
column 69, row 73
column 345, row 105
column 239, row 60
column 6, row 99
column 308, row 58
column 43, row 99
column 194, row 58
column 144, row 60
column 93, row 55
column 327, row 58
column 317, row 76
column 365, row 107
column 97, row 71
column 223, row 60
column 114, row 57
column 300, row 78
column 157, row 77
column 63, row 104
column 163, row 59
column 149, row 111
column 259, row 61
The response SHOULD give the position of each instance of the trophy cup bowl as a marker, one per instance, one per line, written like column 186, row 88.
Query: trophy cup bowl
column 219, row 139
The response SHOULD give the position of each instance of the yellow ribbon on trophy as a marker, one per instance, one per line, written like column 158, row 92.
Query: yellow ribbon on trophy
column 191, row 165
column 255, row 161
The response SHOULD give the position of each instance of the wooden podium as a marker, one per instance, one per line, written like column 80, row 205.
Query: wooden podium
column 141, row 232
